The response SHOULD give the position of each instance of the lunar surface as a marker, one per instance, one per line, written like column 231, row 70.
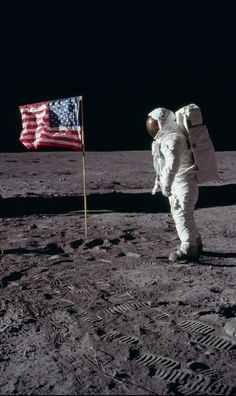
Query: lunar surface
column 106, row 313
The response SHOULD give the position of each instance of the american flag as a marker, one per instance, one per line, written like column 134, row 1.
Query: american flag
column 51, row 123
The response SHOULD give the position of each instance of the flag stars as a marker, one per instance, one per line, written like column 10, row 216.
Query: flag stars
column 63, row 112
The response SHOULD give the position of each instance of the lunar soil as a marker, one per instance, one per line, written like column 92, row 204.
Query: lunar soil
column 106, row 313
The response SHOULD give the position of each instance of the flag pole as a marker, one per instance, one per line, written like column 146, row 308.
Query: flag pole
column 84, row 170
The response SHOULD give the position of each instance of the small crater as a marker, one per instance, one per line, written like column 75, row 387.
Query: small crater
column 72, row 311
column 104, row 295
column 93, row 243
column 112, row 385
column 14, row 276
column 228, row 312
column 152, row 371
column 197, row 366
column 100, row 332
column 121, row 375
column 77, row 243
column 133, row 353
column 48, row 296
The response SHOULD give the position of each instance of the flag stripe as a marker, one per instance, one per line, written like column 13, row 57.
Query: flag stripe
column 34, row 130
column 37, row 104
column 34, row 119
column 61, row 137
column 70, row 146
column 27, row 140
column 42, row 141
column 45, row 139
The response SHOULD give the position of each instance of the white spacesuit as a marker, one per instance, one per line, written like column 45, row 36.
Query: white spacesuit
column 176, row 176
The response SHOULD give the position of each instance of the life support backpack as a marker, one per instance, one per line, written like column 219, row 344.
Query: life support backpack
column 189, row 118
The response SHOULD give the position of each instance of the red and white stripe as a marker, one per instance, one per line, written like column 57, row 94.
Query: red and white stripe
column 36, row 131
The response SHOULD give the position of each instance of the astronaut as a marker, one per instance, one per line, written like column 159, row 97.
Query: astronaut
column 176, row 177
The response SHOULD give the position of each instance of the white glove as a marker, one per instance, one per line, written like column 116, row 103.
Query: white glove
column 166, row 191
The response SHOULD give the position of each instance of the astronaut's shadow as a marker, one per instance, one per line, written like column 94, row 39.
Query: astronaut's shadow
column 220, row 195
column 218, row 254
column 120, row 202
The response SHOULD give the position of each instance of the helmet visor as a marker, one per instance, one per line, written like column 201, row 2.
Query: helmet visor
column 152, row 126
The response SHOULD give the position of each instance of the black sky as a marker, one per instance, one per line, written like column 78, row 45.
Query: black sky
column 125, row 58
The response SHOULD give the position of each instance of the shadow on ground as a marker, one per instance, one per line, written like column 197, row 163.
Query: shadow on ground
column 218, row 254
column 115, row 202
